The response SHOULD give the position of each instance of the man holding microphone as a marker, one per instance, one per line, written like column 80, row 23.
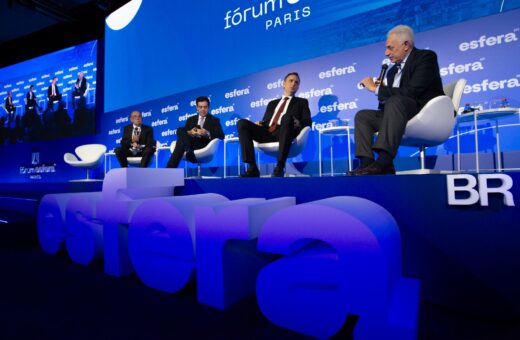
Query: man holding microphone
column 412, row 82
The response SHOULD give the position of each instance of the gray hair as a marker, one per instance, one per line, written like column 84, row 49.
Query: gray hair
column 402, row 33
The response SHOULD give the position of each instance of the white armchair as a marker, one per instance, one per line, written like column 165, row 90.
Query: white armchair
column 89, row 156
column 204, row 155
column 434, row 124
column 136, row 161
column 271, row 149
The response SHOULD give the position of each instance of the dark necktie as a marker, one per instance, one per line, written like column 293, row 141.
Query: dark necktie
column 273, row 126
column 397, row 75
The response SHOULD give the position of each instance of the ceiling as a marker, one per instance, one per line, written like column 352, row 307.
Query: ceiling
column 24, row 24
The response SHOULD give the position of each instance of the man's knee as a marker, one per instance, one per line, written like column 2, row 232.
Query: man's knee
column 398, row 105
column 243, row 124
column 363, row 116
column 117, row 151
column 147, row 151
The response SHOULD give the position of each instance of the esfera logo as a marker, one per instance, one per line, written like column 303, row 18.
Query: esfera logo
column 238, row 16
column 485, row 41
column 123, row 16
column 492, row 85
column 461, row 68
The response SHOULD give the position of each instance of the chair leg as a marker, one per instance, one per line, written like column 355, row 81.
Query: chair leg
column 198, row 170
column 422, row 156
column 88, row 174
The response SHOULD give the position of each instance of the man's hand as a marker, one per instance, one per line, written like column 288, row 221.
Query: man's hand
column 193, row 132
column 203, row 132
column 297, row 123
column 260, row 123
column 135, row 145
column 369, row 83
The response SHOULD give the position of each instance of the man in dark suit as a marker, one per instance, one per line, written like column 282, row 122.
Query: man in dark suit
column 79, row 88
column 9, row 106
column 137, row 141
column 53, row 93
column 30, row 99
column 283, row 119
column 411, row 83
column 198, row 131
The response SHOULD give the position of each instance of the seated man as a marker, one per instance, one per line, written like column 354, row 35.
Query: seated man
column 283, row 120
column 30, row 99
column 53, row 93
column 196, row 134
column 9, row 106
column 137, row 141
column 79, row 88
column 412, row 82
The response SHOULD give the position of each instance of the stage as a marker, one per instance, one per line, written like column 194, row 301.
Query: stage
column 465, row 256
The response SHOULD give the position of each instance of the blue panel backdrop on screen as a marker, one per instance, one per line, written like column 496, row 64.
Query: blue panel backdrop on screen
column 49, row 111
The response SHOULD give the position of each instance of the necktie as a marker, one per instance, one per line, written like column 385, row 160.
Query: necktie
column 273, row 125
column 397, row 77
column 201, row 121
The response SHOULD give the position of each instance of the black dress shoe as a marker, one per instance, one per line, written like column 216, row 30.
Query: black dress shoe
column 278, row 172
column 356, row 171
column 376, row 169
column 251, row 172
column 190, row 156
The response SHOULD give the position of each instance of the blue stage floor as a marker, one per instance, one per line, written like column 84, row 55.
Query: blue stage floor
column 466, row 257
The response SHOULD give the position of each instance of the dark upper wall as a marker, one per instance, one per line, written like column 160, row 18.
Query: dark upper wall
column 28, row 30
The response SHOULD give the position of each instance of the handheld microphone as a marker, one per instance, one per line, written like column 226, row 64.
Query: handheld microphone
column 384, row 67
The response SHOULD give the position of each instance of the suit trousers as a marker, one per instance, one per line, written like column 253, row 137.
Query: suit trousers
column 185, row 143
column 249, row 132
column 390, row 123
column 123, row 153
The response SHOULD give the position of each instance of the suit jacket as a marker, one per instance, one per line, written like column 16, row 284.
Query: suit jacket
column 81, row 87
column 9, row 106
column 31, row 101
column 49, row 91
column 211, row 123
column 145, row 138
column 298, row 108
column 420, row 79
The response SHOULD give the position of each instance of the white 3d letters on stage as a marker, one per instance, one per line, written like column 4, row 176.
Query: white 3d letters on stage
column 123, row 191
column 161, row 239
column 227, row 260
column 341, row 255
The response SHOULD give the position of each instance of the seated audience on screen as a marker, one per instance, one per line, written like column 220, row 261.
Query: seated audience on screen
column 411, row 83
column 198, row 131
column 137, row 141
column 283, row 119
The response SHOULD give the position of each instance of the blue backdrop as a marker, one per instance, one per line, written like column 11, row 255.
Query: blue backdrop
column 482, row 51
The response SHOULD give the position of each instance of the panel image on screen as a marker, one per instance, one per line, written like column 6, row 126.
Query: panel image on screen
column 51, row 96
